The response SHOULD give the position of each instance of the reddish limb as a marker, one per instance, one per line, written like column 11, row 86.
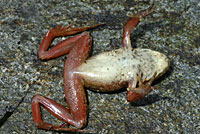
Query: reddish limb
column 73, row 84
column 51, row 106
column 76, row 115
column 135, row 94
column 62, row 47
column 138, row 93
column 131, row 24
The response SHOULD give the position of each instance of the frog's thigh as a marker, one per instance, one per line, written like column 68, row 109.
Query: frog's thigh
column 73, row 84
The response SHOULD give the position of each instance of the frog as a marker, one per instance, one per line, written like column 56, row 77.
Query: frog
column 133, row 68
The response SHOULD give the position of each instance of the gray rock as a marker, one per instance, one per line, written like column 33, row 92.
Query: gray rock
column 173, row 29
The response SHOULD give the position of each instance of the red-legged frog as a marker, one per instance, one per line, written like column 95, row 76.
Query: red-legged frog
column 134, row 68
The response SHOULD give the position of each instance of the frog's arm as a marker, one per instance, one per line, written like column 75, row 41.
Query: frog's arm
column 138, row 93
column 132, row 23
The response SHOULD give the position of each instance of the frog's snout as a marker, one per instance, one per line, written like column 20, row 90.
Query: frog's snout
column 163, row 63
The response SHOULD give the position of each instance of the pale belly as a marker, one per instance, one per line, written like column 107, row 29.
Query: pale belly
column 114, row 69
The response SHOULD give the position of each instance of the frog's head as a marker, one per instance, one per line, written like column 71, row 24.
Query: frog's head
column 154, row 65
column 162, row 64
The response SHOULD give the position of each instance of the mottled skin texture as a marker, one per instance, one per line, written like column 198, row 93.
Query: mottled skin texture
column 125, row 67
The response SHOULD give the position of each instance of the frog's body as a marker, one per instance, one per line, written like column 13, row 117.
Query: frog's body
column 125, row 67
column 114, row 69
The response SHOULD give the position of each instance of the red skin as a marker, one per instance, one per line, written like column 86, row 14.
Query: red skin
column 78, row 48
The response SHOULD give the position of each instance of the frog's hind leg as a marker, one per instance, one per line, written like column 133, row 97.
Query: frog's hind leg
column 62, row 47
column 132, row 23
column 74, row 91
column 74, row 85
column 55, row 109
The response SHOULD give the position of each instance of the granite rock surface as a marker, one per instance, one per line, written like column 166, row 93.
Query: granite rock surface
column 173, row 29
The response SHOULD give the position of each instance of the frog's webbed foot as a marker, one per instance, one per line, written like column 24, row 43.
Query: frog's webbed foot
column 70, row 30
column 61, row 113
column 61, row 128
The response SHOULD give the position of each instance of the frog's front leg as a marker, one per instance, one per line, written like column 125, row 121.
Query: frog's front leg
column 138, row 93
column 74, row 91
column 133, row 93
column 132, row 23
column 137, row 88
